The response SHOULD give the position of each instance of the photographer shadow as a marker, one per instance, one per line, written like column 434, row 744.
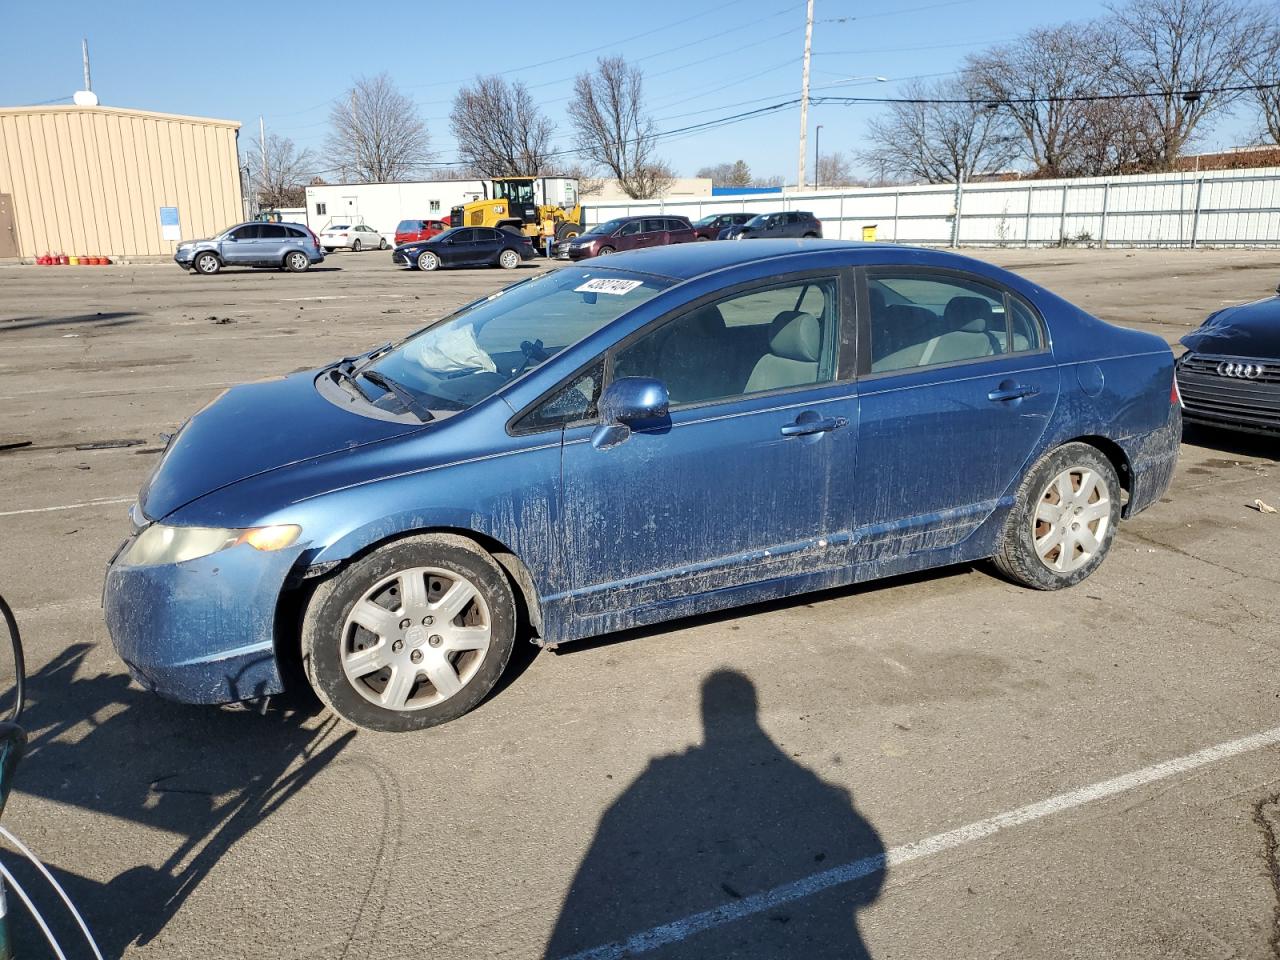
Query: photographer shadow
column 711, row 829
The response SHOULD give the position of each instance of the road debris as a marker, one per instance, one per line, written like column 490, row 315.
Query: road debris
column 1263, row 507
column 109, row 444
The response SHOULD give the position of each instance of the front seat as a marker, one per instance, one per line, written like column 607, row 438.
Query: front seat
column 683, row 358
column 795, row 344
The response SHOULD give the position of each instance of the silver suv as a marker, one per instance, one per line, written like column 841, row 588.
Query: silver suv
column 288, row 246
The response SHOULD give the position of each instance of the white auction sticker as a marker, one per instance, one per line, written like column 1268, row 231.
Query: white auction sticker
column 603, row 285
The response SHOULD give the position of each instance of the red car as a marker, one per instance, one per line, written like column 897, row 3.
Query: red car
column 407, row 231
column 625, row 233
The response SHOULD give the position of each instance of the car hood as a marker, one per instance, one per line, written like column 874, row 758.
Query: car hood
column 1249, row 330
column 253, row 429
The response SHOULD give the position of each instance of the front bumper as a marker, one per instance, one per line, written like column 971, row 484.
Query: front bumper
column 201, row 631
column 581, row 253
column 184, row 258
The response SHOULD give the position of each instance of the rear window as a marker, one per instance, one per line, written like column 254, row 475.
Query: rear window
column 404, row 226
column 341, row 226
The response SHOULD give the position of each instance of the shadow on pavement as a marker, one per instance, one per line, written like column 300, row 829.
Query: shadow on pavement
column 710, row 827
column 117, row 319
column 205, row 777
column 1230, row 441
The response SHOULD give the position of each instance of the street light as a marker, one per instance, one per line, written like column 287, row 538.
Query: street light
column 817, row 154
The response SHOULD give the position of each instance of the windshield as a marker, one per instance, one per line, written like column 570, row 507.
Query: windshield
column 758, row 221
column 608, row 226
column 404, row 226
column 464, row 358
column 707, row 221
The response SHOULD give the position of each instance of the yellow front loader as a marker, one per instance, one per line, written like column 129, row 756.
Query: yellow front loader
column 541, row 208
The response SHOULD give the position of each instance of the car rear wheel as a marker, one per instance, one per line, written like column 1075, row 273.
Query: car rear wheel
column 355, row 246
column 702, row 239
column 410, row 636
column 508, row 259
column 811, row 236
column 297, row 262
column 428, row 260
column 208, row 264
column 1063, row 520
column 605, row 251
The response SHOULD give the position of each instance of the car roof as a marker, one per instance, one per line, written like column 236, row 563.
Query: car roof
column 684, row 261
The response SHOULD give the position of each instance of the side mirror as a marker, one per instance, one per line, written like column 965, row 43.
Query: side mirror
column 627, row 403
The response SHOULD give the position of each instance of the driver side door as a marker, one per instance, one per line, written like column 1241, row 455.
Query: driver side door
column 241, row 245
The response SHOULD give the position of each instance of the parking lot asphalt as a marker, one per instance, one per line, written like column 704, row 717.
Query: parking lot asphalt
column 1047, row 775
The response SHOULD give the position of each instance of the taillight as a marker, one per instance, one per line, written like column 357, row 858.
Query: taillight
column 1175, row 395
column 314, row 238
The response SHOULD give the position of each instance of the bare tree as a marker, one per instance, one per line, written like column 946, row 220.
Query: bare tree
column 607, row 110
column 736, row 174
column 937, row 140
column 376, row 134
column 836, row 170
column 499, row 129
column 1263, row 69
column 278, row 178
column 1178, row 47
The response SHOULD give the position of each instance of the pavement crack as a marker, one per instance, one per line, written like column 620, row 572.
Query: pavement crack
column 1266, row 814
column 1152, row 541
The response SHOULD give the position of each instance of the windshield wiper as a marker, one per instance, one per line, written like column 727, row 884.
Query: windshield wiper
column 340, row 373
column 369, row 357
column 400, row 392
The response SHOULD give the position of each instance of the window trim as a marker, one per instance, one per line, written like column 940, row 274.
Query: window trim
column 846, row 347
column 868, row 273
column 844, row 305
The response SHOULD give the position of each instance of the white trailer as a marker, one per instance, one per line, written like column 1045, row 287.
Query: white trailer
column 383, row 205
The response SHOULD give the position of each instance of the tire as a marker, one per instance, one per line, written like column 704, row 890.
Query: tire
column 382, row 244
column 371, row 589
column 428, row 261
column 355, row 246
column 811, row 236
column 1033, row 551
column 703, row 239
column 207, row 263
column 565, row 230
column 508, row 259
column 296, row 262
column 605, row 251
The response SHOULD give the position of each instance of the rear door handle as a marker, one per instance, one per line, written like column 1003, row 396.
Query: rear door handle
column 803, row 428
column 1012, row 392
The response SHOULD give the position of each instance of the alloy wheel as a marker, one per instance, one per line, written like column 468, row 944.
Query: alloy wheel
column 416, row 638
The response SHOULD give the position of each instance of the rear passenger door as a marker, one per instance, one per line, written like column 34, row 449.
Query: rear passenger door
column 652, row 233
column 488, row 243
column 957, row 388
column 270, row 246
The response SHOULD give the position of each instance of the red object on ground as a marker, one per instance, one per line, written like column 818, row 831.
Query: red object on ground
column 63, row 260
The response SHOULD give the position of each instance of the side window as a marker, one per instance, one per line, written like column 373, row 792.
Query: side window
column 321, row 209
column 247, row 232
column 677, row 225
column 571, row 403
column 1024, row 328
column 630, row 229
column 770, row 339
column 273, row 231
column 653, row 226
column 922, row 320
column 466, row 236
column 435, row 206
column 296, row 233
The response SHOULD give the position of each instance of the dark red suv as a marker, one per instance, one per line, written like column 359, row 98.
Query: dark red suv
column 626, row 233
column 408, row 231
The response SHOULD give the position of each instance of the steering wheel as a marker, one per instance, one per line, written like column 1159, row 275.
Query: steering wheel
column 533, row 353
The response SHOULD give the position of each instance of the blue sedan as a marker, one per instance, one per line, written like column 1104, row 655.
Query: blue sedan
column 659, row 434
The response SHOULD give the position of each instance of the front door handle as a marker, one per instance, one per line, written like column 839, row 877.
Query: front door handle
column 803, row 428
column 1012, row 391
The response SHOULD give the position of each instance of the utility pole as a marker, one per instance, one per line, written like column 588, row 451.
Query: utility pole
column 84, row 49
column 804, row 96
column 262, row 142
column 817, row 154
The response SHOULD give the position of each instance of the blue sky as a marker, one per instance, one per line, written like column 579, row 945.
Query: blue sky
column 702, row 60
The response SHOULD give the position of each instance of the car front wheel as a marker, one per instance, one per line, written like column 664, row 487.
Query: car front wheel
column 1063, row 520
column 410, row 636
column 208, row 264
column 508, row 259
column 428, row 260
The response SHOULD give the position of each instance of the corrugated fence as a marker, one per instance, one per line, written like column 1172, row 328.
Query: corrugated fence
column 1213, row 208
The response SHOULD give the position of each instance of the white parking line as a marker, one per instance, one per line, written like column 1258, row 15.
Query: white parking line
column 68, row 506
column 686, row 927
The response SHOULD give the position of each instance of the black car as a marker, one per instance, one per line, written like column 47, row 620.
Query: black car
column 466, row 247
column 710, row 227
column 773, row 226
column 1230, row 375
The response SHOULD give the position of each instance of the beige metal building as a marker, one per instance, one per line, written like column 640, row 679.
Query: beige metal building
column 105, row 181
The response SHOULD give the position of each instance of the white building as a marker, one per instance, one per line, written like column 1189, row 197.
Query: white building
column 383, row 205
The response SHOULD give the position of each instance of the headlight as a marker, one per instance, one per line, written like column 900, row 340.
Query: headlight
column 162, row 543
